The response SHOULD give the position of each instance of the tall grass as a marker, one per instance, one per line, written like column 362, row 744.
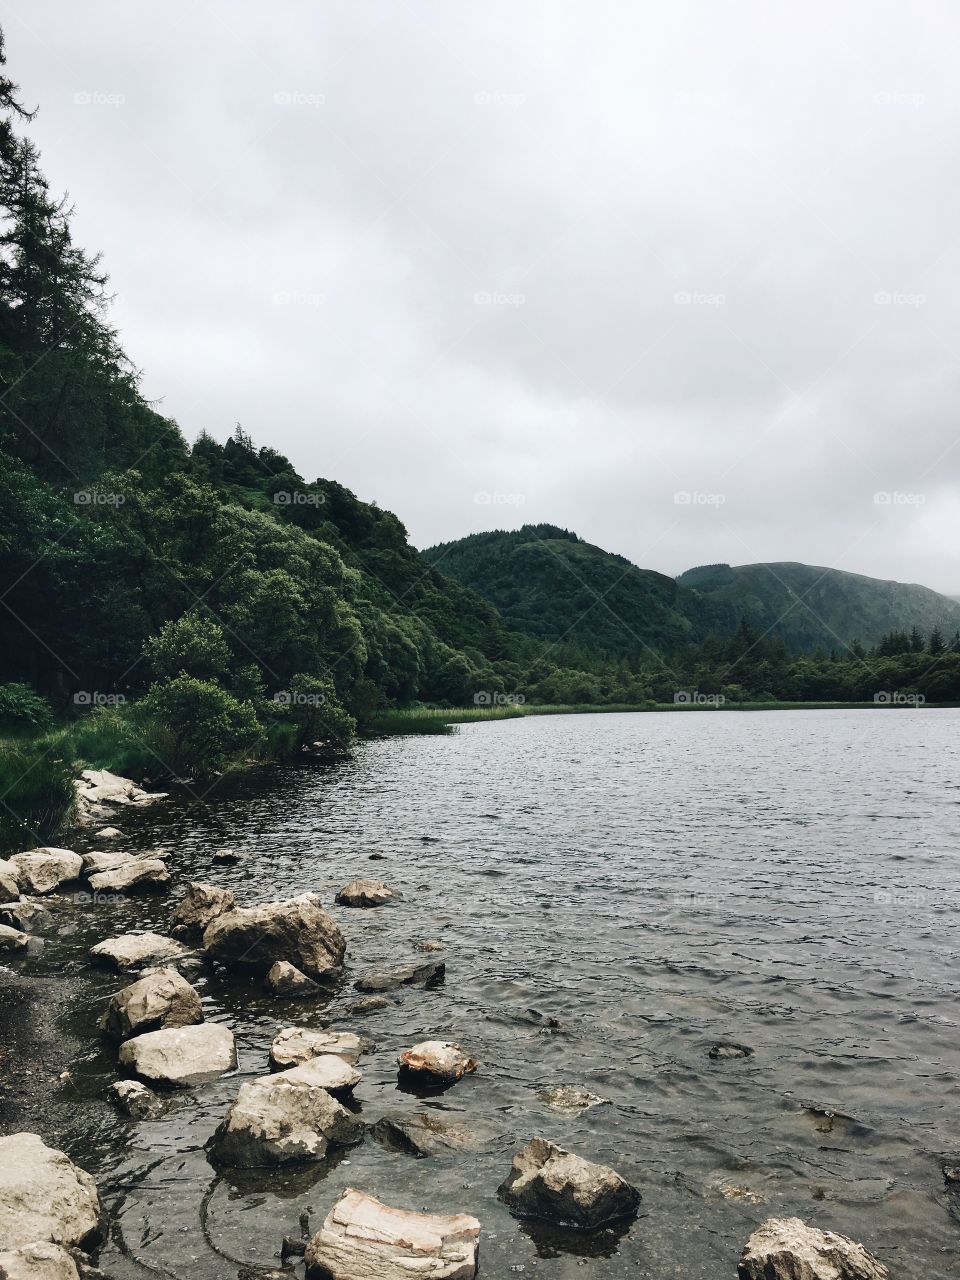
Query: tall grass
column 108, row 738
column 37, row 795
column 436, row 719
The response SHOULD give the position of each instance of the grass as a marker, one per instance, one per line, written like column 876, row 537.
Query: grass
column 37, row 794
column 436, row 719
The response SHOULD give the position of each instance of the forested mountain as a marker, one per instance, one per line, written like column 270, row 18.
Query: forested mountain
column 812, row 607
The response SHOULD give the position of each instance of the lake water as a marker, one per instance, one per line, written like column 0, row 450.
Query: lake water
column 787, row 881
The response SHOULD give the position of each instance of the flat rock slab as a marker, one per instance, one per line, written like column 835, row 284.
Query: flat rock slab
column 286, row 980
column 787, row 1249
column 423, row 1135
column 43, row 870
column 100, row 786
column 131, row 951
column 295, row 1045
column 363, row 1239
column 288, row 1118
column 38, row 1261
column 180, row 1057
column 44, row 1196
column 367, row 893
column 297, row 930
column 130, row 875
column 161, row 999
column 548, row 1182
column 12, row 939
column 567, row 1097
column 435, row 1062
column 199, row 905
column 405, row 975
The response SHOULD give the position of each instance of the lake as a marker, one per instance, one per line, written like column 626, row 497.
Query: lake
column 787, row 881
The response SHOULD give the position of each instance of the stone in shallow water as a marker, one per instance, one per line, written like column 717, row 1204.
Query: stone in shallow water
column 422, row 1135
column 132, row 951
column 363, row 1239
column 181, row 1056
column 199, row 905
column 129, row 875
column 289, row 1118
column 135, row 1099
column 366, row 893
column 404, row 975
column 9, row 881
column 435, row 1062
column 726, row 1049
column 567, row 1097
column 161, row 999
column 295, row 1045
column 226, row 857
column 370, row 1004
column 297, row 930
column 13, row 939
column 285, row 979
column 43, row 870
column 44, row 1196
column 40, row 1260
column 787, row 1249
column 548, row 1182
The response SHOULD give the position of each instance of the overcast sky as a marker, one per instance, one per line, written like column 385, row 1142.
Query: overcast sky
column 682, row 277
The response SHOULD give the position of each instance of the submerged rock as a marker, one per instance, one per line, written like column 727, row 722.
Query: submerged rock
column 44, row 1196
column 297, row 930
column 199, row 905
column 135, row 1099
column 9, row 881
column 226, row 857
column 363, row 1239
column 295, row 1045
column 284, row 979
column 13, row 939
column 370, row 1004
column 548, row 1182
column 435, row 1063
column 724, row 1050
column 132, row 951
column 40, row 1260
column 289, row 1118
column 422, row 1135
column 160, row 999
column 127, row 874
column 566, row 1097
column 43, row 870
column 182, row 1056
column 405, row 975
column 787, row 1249
column 366, row 893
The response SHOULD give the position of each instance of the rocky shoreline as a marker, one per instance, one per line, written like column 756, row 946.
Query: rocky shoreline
column 301, row 1108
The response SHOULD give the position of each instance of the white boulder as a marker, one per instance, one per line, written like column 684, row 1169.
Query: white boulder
column 43, row 870
column 44, row 1196
column 178, row 1057
column 40, row 1260
column 295, row 1045
column 159, row 999
column 132, row 951
column 297, row 930
column 787, row 1249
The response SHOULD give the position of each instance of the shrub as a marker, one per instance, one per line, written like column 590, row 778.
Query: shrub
column 196, row 727
column 192, row 645
column 312, row 706
column 38, row 795
column 22, row 708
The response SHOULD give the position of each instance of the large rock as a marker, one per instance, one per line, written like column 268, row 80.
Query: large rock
column 295, row 1045
column 9, row 881
column 135, row 1099
column 363, row 1239
column 297, row 930
column 787, row 1249
column 127, row 874
column 12, row 939
column 40, row 1260
column 548, row 1182
column 404, row 975
column 24, row 914
column 198, row 906
column 44, row 1196
column 289, row 1118
column 181, row 1056
column 366, row 893
column 435, row 1063
column 422, row 1135
column 43, row 870
column 160, row 999
column 284, row 979
column 131, row 951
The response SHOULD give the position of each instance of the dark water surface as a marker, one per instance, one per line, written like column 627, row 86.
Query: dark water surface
column 784, row 880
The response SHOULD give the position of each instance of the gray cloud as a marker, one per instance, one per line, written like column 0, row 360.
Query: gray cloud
column 579, row 258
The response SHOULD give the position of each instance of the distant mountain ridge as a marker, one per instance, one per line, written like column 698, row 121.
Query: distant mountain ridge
column 548, row 582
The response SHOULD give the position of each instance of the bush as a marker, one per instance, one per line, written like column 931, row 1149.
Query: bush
column 196, row 727
column 192, row 646
column 312, row 706
column 38, row 793
column 22, row 708
column 107, row 738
